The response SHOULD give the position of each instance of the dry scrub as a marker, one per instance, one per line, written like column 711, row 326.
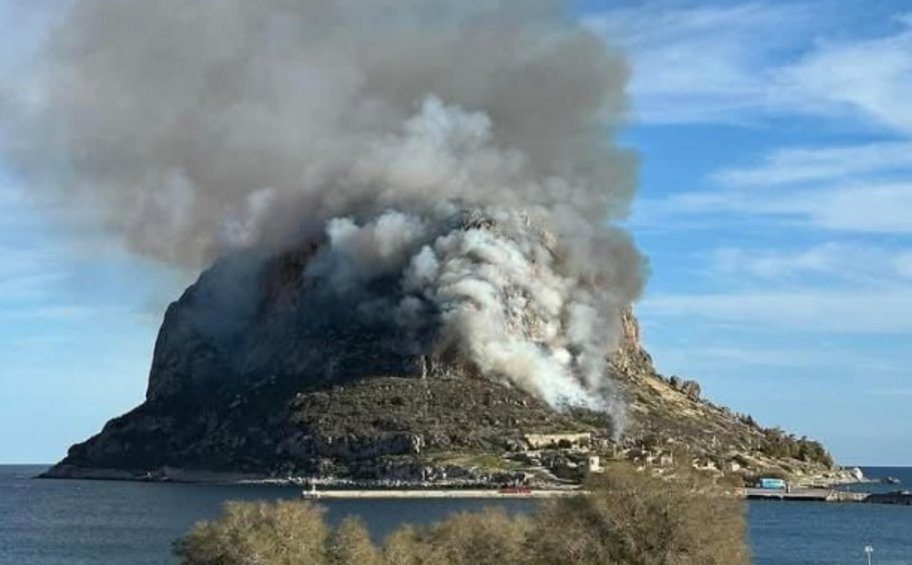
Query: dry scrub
column 628, row 518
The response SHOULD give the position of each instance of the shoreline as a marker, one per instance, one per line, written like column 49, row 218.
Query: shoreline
column 330, row 484
column 342, row 487
column 438, row 493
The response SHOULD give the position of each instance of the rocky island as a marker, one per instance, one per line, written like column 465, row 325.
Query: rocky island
column 253, row 379
column 412, row 221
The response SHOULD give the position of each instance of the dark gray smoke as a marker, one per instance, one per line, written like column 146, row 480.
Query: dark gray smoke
column 198, row 128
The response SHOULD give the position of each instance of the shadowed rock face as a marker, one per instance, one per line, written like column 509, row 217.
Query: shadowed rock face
column 248, row 322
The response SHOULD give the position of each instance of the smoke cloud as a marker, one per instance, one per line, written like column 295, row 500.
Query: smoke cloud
column 463, row 149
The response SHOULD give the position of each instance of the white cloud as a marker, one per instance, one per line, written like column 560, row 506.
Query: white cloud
column 27, row 272
column 794, row 165
column 54, row 313
column 872, row 78
column 863, row 208
column 839, row 287
column 36, row 343
column 758, row 356
column 736, row 62
column 744, row 62
column 796, row 354
column 853, row 311
column 700, row 63
column 777, row 264
column 874, row 209
column 29, row 286
column 833, row 263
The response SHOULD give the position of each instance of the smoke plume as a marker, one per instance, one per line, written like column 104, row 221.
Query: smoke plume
column 462, row 149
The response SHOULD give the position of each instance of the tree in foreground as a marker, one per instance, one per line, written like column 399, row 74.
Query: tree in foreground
column 280, row 533
column 633, row 518
column 627, row 517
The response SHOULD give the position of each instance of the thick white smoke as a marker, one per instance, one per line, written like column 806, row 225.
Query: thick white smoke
column 462, row 148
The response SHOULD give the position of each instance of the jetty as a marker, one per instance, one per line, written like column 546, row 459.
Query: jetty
column 828, row 495
column 374, row 494
column 903, row 498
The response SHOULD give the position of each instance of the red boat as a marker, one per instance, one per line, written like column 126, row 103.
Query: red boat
column 515, row 490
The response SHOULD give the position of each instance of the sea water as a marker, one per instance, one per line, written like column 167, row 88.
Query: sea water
column 57, row 522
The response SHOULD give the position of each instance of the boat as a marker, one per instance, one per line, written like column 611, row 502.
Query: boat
column 515, row 490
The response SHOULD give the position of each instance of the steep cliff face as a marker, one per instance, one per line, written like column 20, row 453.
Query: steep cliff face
column 256, row 374
column 248, row 322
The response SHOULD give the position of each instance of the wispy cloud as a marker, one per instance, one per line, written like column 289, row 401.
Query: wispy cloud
column 859, row 207
column 697, row 63
column 36, row 342
column 799, row 355
column 54, row 313
column 838, row 311
column 828, row 258
column 871, row 78
column 803, row 165
column 885, row 208
column 740, row 62
column 747, row 61
column 793, row 259
column 28, row 272
column 761, row 356
column 29, row 286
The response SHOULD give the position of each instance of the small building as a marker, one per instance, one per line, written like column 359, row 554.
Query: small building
column 540, row 441
column 593, row 464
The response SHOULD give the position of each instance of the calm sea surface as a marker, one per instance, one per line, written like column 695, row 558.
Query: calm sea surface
column 74, row 522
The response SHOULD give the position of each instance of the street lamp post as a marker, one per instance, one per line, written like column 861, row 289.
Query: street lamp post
column 869, row 549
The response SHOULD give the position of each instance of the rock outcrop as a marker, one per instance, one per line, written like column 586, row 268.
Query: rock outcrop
column 669, row 417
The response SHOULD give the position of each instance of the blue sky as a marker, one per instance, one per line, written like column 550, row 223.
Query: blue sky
column 775, row 208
